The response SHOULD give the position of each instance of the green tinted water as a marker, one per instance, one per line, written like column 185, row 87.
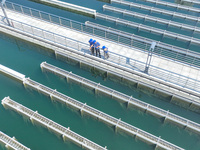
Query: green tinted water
column 26, row 58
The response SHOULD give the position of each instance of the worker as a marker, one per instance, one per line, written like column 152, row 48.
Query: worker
column 97, row 48
column 105, row 49
column 91, row 46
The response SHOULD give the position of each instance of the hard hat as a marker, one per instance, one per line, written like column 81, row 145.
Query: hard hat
column 90, row 40
column 94, row 41
column 103, row 47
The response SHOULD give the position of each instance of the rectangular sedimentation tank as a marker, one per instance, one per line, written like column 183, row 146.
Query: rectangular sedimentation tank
column 84, row 108
column 124, row 98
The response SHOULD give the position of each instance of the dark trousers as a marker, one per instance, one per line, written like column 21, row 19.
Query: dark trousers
column 92, row 51
column 98, row 52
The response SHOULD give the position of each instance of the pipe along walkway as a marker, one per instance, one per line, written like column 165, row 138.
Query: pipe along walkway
column 123, row 97
column 51, row 125
column 148, row 28
column 11, row 143
column 151, row 18
column 117, row 123
column 158, row 10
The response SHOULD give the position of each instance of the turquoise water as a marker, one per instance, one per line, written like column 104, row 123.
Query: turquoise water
column 26, row 58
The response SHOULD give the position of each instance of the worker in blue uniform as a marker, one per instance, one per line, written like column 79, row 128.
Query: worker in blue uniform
column 105, row 49
column 97, row 48
column 91, row 46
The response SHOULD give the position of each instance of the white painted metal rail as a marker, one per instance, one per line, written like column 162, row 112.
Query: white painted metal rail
column 148, row 28
column 158, row 10
column 101, row 116
column 11, row 142
column 123, row 97
column 65, row 132
column 151, row 18
column 177, row 6
column 162, row 49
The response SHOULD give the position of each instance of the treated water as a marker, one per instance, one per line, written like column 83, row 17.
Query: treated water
column 26, row 58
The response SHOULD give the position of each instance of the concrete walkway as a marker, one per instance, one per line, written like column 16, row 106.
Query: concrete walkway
column 169, row 65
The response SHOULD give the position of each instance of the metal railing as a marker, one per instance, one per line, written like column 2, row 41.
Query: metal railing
column 177, row 6
column 84, row 108
column 158, row 10
column 151, row 18
column 65, row 132
column 125, row 98
column 11, row 142
column 149, row 29
column 131, row 40
column 130, row 63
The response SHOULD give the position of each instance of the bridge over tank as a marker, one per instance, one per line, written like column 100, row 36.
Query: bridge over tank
column 77, row 50
column 158, row 10
column 51, row 125
column 130, row 40
column 11, row 143
column 149, row 28
column 151, row 18
column 123, row 97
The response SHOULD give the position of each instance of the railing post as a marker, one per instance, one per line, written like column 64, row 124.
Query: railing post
column 60, row 21
column 2, row 3
column 49, row 18
column 40, row 15
column 118, row 38
column 30, row 12
column 153, row 44
column 70, row 24
column 22, row 9
column 105, row 35
column 13, row 6
column 81, row 27
column 131, row 42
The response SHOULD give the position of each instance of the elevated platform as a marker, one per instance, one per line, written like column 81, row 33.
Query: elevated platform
column 123, row 97
column 151, row 18
column 11, row 143
column 51, row 125
column 153, row 9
